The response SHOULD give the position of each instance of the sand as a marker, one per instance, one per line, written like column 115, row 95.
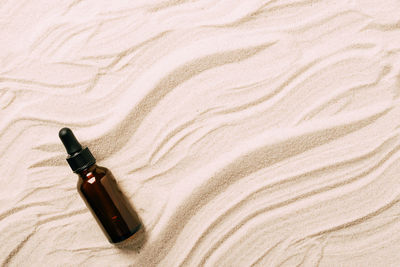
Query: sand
column 245, row 133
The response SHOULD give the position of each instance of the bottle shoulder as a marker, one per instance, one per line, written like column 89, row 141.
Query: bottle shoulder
column 94, row 170
column 92, row 176
column 100, row 171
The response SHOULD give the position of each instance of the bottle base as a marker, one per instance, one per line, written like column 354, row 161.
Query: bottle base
column 129, row 236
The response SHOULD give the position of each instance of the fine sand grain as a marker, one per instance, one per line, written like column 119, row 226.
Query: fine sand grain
column 245, row 133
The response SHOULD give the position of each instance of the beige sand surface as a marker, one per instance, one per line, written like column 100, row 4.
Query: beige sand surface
column 245, row 133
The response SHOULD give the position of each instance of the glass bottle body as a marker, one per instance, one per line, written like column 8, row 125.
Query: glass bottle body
column 114, row 214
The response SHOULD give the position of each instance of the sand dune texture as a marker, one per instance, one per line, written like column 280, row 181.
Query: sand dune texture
column 245, row 133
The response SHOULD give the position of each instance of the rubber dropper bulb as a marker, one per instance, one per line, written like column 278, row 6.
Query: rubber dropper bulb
column 69, row 140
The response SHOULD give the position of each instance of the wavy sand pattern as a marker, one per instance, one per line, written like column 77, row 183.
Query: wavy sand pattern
column 245, row 133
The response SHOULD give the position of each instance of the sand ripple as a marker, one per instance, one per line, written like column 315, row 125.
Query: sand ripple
column 245, row 133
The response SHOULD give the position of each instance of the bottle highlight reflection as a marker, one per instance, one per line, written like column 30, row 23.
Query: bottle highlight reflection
column 99, row 190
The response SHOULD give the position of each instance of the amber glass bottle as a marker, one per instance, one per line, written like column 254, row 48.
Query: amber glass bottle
column 99, row 190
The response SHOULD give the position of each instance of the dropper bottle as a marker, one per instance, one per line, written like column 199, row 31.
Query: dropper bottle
column 99, row 190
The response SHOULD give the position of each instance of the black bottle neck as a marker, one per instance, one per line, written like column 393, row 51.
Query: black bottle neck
column 81, row 160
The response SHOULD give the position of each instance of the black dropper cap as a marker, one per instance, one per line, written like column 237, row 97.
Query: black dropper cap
column 79, row 158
